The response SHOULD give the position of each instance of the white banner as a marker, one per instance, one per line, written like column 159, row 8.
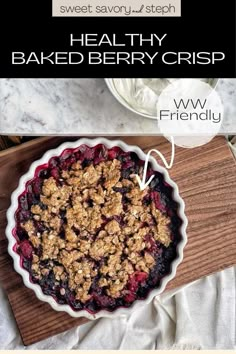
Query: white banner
column 116, row 8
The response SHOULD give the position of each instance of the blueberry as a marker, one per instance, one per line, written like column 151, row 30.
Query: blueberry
column 27, row 264
column 154, row 183
column 170, row 254
column 21, row 233
column 44, row 174
column 42, row 206
column 122, row 190
column 23, row 202
column 104, row 301
column 125, row 173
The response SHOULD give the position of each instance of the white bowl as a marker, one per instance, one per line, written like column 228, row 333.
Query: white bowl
column 12, row 241
column 119, row 98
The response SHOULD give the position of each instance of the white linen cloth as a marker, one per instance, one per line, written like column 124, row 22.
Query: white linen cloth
column 198, row 316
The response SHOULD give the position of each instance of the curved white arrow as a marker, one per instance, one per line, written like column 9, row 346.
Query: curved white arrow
column 142, row 183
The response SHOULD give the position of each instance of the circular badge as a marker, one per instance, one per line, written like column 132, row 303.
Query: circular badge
column 191, row 111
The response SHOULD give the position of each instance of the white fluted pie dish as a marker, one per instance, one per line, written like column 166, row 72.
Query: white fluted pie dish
column 53, row 188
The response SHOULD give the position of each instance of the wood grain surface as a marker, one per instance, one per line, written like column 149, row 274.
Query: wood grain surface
column 206, row 177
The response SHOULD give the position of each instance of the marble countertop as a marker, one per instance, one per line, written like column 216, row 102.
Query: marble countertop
column 81, row 107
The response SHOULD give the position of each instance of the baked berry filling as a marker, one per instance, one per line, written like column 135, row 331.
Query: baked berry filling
column 87, row 234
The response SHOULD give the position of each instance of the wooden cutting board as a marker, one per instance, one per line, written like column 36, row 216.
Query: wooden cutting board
column 207, row 181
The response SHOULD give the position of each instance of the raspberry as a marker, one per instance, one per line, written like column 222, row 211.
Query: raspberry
column 55, row 173
column 140, row 277
column 89, row 153
column 113, row 153
column 26, row 249
column 136, row 279
column 129, row 297
column 128, row 164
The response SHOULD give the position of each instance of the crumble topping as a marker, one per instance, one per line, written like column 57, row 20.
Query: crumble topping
column 113, row 204
column 160, row 230
column 95, row 227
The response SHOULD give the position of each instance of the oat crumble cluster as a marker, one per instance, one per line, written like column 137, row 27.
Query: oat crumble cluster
column 90, row 236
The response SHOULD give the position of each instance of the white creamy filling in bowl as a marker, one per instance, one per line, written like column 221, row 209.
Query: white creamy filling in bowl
column 141, row 95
